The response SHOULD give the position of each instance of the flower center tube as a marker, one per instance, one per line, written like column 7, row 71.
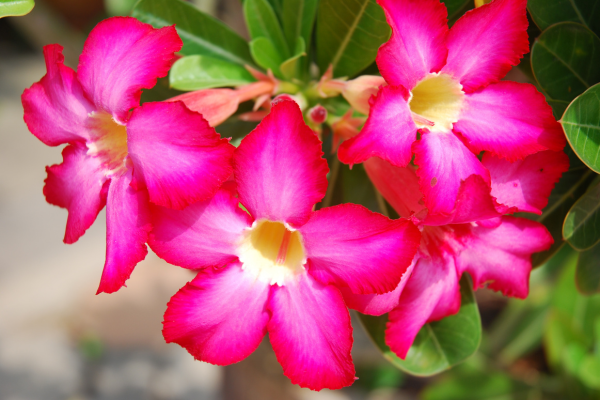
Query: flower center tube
column 108, row 141
column 436, row 102
column 272, row 251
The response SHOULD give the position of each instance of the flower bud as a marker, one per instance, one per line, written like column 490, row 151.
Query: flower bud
column 317, row 114
column 358, row 91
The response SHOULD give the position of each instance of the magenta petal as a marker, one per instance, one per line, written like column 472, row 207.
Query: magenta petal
column 279, row 168
column 55, row 107
column 418, row 43
column 388, row 132
column 205, row 234
column 78, row 184
column 127, row 227
column 444, row 162
column 176, row 154
column 122, row 56
column 348, row 245
column 220, row 317
column 311, row 334
column 500, row 257
column 486, row 42
column 526, row 184
column 431, row 293
column 493, row 120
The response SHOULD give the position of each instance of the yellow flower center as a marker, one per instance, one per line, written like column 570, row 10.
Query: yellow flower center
column 272, row 251
column 109, row 141
column 436, row 102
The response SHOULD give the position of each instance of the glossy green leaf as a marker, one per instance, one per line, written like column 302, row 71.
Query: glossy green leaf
column 298, row 18
column 581, row 123
column 119, row 7
column 13, row 8
column 439, row 345
column 292, row 67
column 582, row 224
column 587, row 276
column 546, row 13
column 558, row 107
column 201, row 33
column 266, row 55
column 349, row 33
column 565, row 60
column 263, row 23
column 201, row 72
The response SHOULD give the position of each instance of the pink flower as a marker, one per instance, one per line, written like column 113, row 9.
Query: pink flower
column 445, row 85
column 121, row 154
column 496, row 252
column 279, row 267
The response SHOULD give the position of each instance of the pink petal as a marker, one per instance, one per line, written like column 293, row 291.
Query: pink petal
column 388, row 132
column 418, row 43
column 215, row 105
column 311, row 334
column 202, row 235
column 500, row 257
column 279, row 168
column 444, row 162
column 122, row 56
column 376, row 304
column 78, row 184
column 348, row 245
column 220, row 317
column 176, row 154
column 127, row 227
column 486, row 42
column 55, row 107
column 492, row 119
column 431, row 293
column 526, row 184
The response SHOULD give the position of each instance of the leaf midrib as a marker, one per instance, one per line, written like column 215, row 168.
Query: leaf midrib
column 348, row 37
column 565, row 64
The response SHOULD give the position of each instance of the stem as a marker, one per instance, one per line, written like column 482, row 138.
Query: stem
column 381, row 202
column 335, row 169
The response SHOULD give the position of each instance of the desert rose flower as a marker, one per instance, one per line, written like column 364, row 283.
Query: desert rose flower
column 445, row 84
column 496, row 252
column 121, row 154
column 279, row 267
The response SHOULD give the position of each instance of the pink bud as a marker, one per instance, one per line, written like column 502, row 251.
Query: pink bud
column 358, row 91
column 317, row 114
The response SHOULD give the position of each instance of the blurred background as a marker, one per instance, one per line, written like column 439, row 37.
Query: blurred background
column 58, row 340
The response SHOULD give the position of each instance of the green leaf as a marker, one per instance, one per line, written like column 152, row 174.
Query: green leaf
column 349, row 33
column 558, row 107
column 201, row 33
column 262, row 22
column 119, row 7
column 589, row 372
column 14, row 8
column 489, row 385
column 581, row 123
column 565, row 60
column 439, row 345
column 546, row 13
column 587, row 276
column 582, row 224
column 298, row 19
column 456, row 6
column 266, row 55
column 291, row 68
column 201, row 72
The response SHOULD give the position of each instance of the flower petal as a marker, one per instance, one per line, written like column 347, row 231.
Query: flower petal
column 202, row 235
column 492, row 119
column 220, row 317
column 78, row 184
column 431, row 293
column 526, row 184
column 311, row 334
column 486, row 42
column 279, row 168
column 122, row 56
column 388, row 132
column 500, row 257
column 215, row 105
column 418, row 43
column 127, row 227
column 55, row 107
column 176, row 154
column 444, row 162
column 348, row 245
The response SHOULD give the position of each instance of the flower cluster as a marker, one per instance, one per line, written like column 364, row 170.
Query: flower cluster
column 451, row 147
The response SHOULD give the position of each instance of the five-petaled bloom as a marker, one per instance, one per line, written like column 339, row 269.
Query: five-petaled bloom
column 121, row 154
column 279, row 267
column 444, row 84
